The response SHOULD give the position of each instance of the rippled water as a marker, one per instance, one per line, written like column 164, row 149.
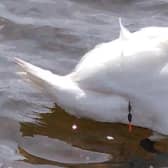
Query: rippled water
column 54, row 34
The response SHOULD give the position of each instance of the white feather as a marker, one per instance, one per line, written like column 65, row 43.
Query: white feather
column 124, row 32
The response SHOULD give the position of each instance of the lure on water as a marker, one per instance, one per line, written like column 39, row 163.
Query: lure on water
column 129, row 117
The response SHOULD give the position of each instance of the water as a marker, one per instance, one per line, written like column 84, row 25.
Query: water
column 54, row 34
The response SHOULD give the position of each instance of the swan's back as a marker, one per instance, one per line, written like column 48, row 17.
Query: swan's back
column 110, row 64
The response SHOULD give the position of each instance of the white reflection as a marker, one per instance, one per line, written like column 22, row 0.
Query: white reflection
column 9, row 151
column 74, row 127
column 62, row 152
column 109, row 138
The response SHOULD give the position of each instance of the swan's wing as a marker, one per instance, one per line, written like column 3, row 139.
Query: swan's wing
column 124, row 63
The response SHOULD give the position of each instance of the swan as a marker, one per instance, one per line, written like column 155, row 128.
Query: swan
column 132, row 68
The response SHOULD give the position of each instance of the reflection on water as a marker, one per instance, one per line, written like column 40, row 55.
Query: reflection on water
column 9, row 151
column 60, row 152
column 54, row 141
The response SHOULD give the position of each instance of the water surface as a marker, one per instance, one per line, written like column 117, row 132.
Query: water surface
column 54, row 34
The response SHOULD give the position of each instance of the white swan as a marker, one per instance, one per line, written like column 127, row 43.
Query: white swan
column 132, row 68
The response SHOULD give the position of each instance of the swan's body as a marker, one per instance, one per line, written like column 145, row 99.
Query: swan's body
column 133, row 67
